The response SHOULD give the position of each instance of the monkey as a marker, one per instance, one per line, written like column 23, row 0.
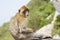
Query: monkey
column 18, row 24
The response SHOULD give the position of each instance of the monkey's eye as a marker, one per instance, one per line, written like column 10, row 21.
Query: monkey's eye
column 19, row 10
column 24, row 12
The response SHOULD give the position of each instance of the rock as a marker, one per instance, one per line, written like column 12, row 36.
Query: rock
column 56, row 36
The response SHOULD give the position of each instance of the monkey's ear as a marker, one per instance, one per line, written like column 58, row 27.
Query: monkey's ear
column 18, row 10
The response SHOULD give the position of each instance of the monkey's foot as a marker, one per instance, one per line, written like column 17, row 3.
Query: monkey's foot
column 21, row 36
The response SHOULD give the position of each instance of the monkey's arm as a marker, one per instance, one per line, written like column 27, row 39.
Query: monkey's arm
column 13, row 27
column 27, row 30
column 23, row 27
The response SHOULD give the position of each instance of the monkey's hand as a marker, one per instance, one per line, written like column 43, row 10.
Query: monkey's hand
column 27, row 30
column 21, row 36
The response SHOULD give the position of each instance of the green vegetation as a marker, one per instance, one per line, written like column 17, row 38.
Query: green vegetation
column 4, row 33
column 57, row 26
column 39, row 11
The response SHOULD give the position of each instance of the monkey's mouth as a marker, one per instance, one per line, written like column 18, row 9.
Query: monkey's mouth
column 26, row 16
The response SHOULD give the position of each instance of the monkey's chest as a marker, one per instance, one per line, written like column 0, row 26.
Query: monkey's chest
column 23, row 23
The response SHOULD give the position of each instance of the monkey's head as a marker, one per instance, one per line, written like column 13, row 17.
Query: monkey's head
column 24, row 11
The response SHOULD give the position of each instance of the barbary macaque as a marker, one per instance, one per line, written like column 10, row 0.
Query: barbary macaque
column 18, row 24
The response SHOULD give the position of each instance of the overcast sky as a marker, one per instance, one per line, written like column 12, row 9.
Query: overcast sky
column 8, row 8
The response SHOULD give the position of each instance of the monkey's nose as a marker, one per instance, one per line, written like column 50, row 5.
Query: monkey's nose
column 27, row 14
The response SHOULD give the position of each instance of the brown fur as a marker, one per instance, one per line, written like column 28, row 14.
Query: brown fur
column 18, row 25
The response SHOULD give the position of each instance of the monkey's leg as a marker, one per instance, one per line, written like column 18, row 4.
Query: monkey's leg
column 27, row 30
column 16, row 38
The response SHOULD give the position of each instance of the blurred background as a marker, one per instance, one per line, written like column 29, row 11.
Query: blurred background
column 39, row 11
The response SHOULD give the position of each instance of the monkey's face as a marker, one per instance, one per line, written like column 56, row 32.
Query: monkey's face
column 24, row 13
